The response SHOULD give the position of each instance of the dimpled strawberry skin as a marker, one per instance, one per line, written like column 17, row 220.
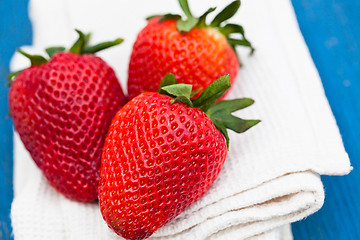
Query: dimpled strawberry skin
column 197, row 57
column 158, row 158
column 62, row 110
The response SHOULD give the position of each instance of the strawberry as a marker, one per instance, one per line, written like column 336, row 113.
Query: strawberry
column 196, row 52
column 162, row 154
column 62, row 109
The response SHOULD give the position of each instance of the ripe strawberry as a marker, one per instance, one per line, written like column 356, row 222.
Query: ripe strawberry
column 62, row 109
column 197, row 53
column 162, row 154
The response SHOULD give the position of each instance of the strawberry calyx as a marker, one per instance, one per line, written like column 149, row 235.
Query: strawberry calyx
column 220, row 112
column 36, row 60
column 81, row 46
column 230, row 31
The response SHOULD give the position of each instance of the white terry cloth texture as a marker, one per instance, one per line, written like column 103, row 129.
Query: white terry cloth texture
column 271, row 176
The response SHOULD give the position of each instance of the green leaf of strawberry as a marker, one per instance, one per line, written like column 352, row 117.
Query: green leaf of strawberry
column 51, row 51
column 219, row 113
column 81, row 46
column 226, row 13
column 185, row 26
column 178, row 90
column 36, row 60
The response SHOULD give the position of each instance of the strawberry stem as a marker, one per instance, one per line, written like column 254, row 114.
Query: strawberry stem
column 230, row 29
column 169, row 16
column 202, row 18
column 169, row 79
column 36, row 60
column 226, row 13
column 51, row 51
column 101, row 46
column 182, row 99
column 220, row 113
column 212, row 93
column 186, row 25
column 179, row 90
column 81, row 46
column 80, row 43
column 11, row 75
column 185, row 7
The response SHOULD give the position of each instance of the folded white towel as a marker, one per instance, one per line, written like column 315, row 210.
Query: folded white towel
column 271, row 175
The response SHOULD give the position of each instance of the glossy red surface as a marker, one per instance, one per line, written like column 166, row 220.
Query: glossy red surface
column 62, row 110
column 158, row 159
column 198, row 57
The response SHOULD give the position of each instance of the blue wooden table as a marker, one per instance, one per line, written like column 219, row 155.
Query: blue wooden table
column 15, row 30
column 332, row 32
column 331, row 29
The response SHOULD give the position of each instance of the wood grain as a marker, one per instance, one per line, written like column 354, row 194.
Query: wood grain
column 332, row 32
column 15, row 30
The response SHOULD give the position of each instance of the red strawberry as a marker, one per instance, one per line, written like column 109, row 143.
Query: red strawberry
column 195, row 52
column 62, row 109
column 161, row 155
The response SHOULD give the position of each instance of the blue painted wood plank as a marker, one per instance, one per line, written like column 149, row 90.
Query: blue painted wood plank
column 332, row 32
column 15, row 30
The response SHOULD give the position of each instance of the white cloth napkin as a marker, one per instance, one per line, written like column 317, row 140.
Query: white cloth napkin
column 271, row 175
